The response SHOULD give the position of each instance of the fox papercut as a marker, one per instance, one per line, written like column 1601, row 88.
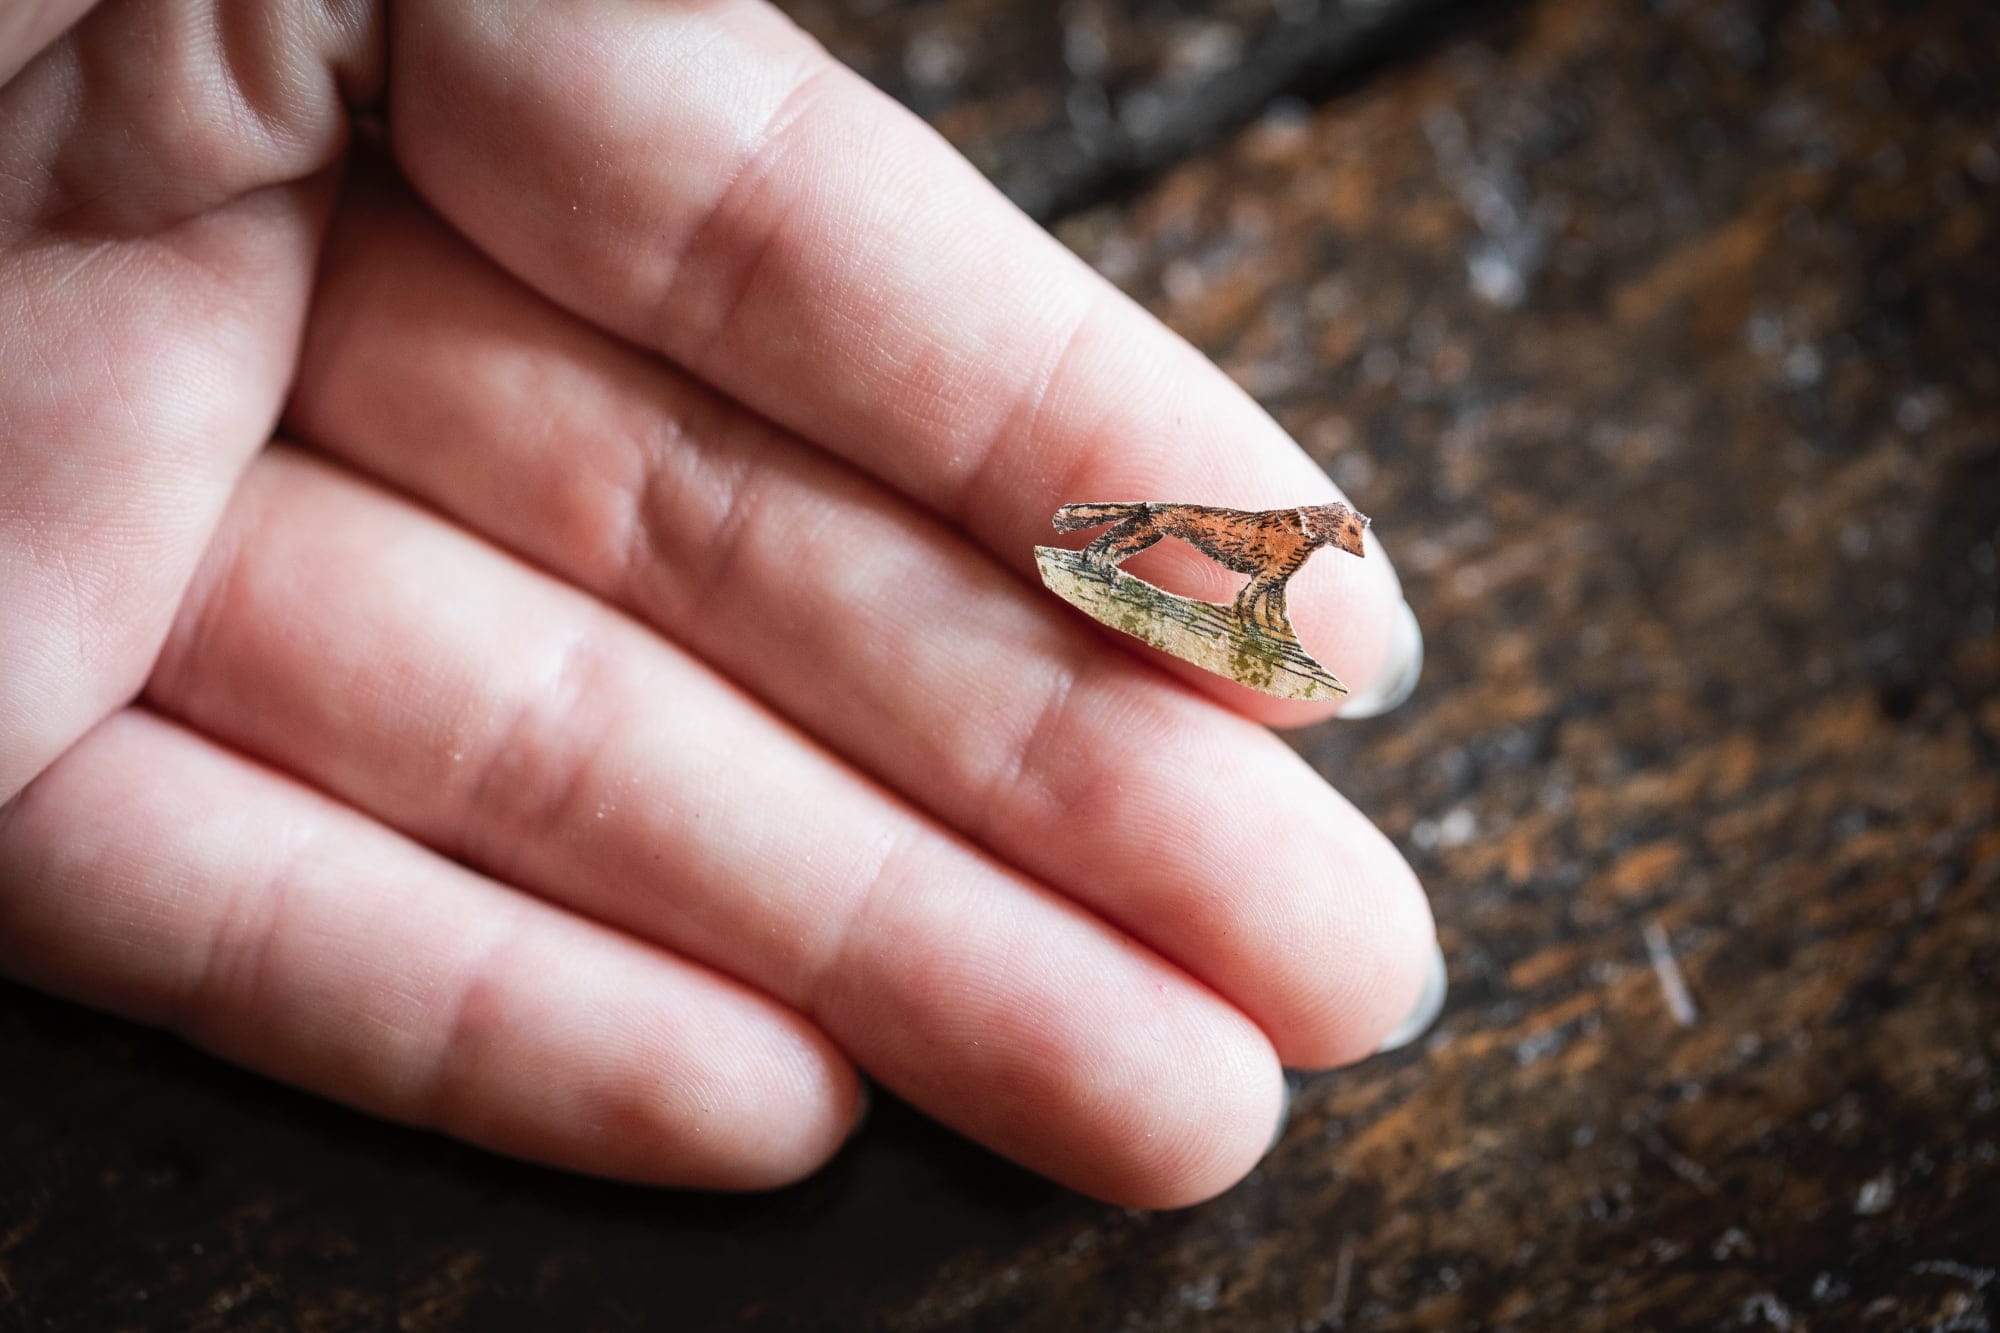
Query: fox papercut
column 1251, row 640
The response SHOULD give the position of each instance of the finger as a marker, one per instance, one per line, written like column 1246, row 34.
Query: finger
column 706, row 181
column 884, row 633
column 30, row 25
column 155, row 875
column 161, row 195
column 512, row 722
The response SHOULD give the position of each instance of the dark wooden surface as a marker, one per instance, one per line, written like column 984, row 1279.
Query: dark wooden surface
column 1664, row 344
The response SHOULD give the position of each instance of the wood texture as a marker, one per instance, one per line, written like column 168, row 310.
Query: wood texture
column 1662, row 340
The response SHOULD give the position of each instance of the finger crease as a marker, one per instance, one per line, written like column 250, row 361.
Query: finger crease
column 1024, row 420
column 1000, row 799
column 238, row 957
column 512, row 804
column 814, row 995
column 442, row 1101
column 756, row 166
column 724, row 552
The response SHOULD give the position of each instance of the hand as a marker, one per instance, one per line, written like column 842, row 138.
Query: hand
column 616, row 705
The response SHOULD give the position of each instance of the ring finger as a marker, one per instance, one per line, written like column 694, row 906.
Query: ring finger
column 511, row 721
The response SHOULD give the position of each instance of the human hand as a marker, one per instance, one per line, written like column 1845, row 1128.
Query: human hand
column 625, row 709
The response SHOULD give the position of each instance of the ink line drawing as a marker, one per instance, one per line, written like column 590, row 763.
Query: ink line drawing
column 1251, row 640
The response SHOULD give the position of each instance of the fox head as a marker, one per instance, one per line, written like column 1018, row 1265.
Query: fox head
column 1335, row 525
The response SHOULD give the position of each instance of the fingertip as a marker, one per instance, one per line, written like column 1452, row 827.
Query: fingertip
column 1363, row 966
column 1235, row 1133
column 1351, row 616
column 1144, row 1091
column 1395, row 677
column 1429, row 1004
column 1395, row 969
column 1234, row 1092
column 1285, row 1103
column 644, row 1099
column 800, row 1104
column 762, row 1111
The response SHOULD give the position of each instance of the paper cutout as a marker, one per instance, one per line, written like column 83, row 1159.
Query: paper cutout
column 1250, row 641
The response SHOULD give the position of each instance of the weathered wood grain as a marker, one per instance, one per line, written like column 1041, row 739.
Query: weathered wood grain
column 1660, row 341
column 1067, row 103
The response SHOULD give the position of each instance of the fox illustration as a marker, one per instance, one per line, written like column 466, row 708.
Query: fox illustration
column 1269, row 545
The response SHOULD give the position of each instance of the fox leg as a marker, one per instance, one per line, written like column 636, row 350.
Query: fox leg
column 1246, row 598
column 1250, row 602
column 1261, row 607
column 1126, row 538
column 1277, row 623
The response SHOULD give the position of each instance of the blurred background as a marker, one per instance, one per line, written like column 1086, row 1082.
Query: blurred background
column 1663, row 343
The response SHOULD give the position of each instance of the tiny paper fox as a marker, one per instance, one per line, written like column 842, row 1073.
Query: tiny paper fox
column 1269, row 545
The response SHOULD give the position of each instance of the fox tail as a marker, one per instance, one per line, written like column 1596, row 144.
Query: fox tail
column 1072, row 517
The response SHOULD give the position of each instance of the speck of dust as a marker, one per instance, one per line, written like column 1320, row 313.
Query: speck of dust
column 1877, row 1195
column 1455, row 829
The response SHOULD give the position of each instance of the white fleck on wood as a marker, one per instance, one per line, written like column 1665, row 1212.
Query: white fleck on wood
column 1668, row 969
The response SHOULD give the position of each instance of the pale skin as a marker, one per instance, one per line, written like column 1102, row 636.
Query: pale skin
column 529, row 628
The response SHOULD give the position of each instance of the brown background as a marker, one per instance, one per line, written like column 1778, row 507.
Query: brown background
column 1664, row 344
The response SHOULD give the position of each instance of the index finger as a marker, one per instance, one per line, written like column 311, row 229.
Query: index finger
column 708, row 182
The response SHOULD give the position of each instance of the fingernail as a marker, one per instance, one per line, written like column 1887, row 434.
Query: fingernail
column 1398, row 676
column 1284, row 1112
column 1429, row 1005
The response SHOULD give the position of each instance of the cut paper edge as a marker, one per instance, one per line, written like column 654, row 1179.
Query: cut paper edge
column 1206, row 634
